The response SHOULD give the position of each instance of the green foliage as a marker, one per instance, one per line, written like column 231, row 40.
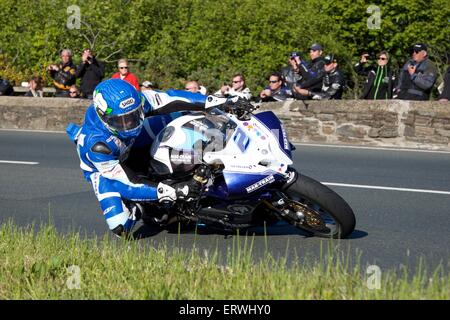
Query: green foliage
column 170, row 41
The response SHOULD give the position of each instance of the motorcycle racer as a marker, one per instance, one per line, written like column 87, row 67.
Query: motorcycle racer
column 115, row 123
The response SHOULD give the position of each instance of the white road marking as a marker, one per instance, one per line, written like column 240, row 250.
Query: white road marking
column 18, row 162
column 369, row 148
column 361, row 186
column 29, row 130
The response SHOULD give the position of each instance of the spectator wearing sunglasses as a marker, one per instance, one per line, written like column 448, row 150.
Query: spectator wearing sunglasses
column 74, row 92
column 236, row 88
column 276, row 90
column 380, row 79
column 333, row 81
column 312, row 73
column 418, row 75
column 125, row 74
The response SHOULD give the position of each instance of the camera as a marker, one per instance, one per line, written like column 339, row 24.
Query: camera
column 89, row 58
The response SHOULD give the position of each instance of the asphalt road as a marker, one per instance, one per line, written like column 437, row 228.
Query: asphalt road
column 394, row 227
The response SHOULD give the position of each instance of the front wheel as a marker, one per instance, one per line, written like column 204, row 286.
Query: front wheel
column 313, row 207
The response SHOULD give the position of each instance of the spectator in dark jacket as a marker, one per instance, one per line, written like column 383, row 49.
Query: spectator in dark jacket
column 380, row 79
column 291, row 74
column 312, row 73
column 63, row 74
column 417, row 76
column 35, row 85
column 445, row 94
column 91, row 72
column 276, row 90
column 333, row 82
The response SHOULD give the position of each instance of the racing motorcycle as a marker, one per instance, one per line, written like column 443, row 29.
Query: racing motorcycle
column 243, row 160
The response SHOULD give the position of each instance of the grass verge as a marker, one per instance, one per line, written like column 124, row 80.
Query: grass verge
column 47, row 265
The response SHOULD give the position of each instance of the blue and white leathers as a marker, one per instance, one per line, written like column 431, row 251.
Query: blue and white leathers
column 101, row 153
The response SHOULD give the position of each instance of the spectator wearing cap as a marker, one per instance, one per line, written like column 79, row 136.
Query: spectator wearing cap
column 147, row 85
column 313, row 72
column 418, row 75
column 291, row 73
column 333, row 82
column 276, row 90
column 380, row 78
column 445, row 94
column 91, row 72
column 125, row 74
column 237, row 88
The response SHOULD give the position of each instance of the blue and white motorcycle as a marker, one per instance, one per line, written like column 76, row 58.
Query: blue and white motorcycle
column 244, row 161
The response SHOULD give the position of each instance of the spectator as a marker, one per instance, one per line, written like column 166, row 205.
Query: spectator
column 380, row 79
column 203, row 90
column 313, row 73
column 276, row 90
column 91, row 72
column 35, row 86
column 445, row 94
column 125, row 74
column 147, row 85
column 63, row 75
column 291, row 74
column 74, row 92
column 6, row 89
column 417, row 76
column 237, row 88
column 332, row 82
column 192, row 86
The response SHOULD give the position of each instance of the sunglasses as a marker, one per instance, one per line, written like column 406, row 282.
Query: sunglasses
column 123, row 67
column 237, row 81
column 72, row 92
column 379, row 58
column 273, row 81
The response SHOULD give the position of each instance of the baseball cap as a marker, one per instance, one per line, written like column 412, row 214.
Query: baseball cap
column 294, row 54
column 330, row 58
column 419, row 47
column 316, row 46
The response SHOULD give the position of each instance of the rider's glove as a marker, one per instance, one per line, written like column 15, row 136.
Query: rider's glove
column 183, row 190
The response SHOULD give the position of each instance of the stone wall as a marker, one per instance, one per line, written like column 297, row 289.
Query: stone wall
column 378, row 123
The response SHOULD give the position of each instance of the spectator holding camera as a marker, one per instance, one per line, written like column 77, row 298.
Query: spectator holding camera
column 63, row 75
column 333, row 82
column 237, row 88
column 91, row 72
column 125, row 74
column 276, row 90
column 312, row 73
column 417, row 76
column 291, row 73
column 35, row 86
column 380, row 79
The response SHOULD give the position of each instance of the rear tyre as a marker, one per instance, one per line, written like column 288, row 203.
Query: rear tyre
column 318, row 209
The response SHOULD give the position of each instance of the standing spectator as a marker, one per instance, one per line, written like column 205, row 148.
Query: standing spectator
column 291, row 74
column 276, row 90
column 125, row 74
column 332, row 83
column 147, row 85
column 312, row 73
column 74, row 92
column 237, row 88
column 417, row 76
column 63, row 75
column 445, row 94
column 91, row 72
column 380, row 79
column 192, row 86
column 35, row 86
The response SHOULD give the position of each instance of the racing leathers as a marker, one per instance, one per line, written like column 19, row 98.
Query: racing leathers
column 102, row 156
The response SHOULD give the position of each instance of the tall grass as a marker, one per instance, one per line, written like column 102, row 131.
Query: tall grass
column 36, row 265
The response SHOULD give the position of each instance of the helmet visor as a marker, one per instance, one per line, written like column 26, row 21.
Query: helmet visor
column 127, row 121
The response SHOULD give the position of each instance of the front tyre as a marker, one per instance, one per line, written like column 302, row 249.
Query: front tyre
column 318, row 209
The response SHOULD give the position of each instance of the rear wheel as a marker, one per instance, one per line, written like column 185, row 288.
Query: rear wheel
column 313, row 207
